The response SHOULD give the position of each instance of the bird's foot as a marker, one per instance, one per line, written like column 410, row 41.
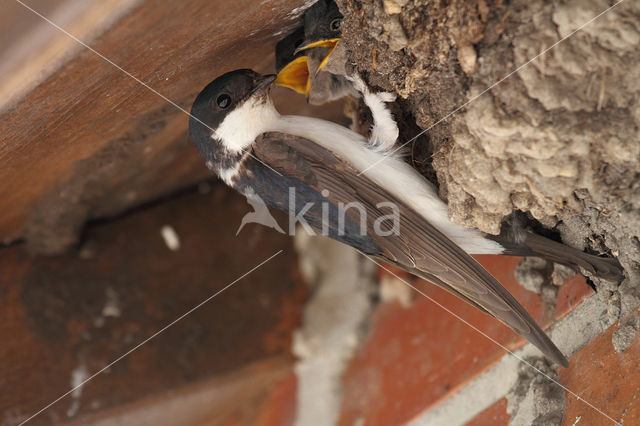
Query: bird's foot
column 387, row 97
column 384, row 131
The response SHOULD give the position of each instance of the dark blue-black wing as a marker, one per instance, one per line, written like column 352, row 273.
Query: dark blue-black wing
column 418, row 247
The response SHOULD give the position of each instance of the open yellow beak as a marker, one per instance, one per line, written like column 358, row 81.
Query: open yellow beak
column 328, row 43
column 295, row 75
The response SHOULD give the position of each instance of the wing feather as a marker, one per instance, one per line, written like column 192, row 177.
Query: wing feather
column 419, row 247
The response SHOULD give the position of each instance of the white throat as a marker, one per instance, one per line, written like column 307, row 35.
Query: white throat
column 245, row 123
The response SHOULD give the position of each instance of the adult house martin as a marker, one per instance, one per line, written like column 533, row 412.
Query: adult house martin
column 242, row 138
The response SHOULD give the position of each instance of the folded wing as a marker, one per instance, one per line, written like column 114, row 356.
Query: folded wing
column 418, row 247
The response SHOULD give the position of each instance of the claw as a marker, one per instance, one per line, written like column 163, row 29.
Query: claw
column 387, row 97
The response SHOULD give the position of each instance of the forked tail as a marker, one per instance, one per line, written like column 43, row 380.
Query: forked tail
column 529, row 244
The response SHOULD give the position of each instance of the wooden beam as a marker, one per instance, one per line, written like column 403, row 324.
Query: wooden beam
column 89, row 141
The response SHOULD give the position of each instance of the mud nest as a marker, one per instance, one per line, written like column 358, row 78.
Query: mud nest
column 558, row 139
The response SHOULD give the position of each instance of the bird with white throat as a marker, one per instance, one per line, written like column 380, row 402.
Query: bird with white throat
column 255, row 150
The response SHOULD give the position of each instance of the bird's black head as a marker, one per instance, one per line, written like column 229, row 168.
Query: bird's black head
column 211, row 124
column 322, row 21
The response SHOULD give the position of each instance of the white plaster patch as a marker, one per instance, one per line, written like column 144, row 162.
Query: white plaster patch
column 112, row 305
column 170, row 237
column 332, row 320
column 394, row 290
column 78, row 376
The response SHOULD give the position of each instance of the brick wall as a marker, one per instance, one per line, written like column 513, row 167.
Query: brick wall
column 418, row 364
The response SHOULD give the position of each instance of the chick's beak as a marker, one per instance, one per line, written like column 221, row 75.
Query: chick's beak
column 330, row 44
column 295, row 75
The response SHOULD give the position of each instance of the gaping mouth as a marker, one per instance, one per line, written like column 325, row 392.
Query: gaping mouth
column 296, row 74
column 328, row 43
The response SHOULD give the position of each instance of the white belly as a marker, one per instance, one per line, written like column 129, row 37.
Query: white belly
column 392, row 174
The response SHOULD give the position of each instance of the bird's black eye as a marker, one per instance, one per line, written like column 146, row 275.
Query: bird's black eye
column 335, row 24
column 223, row 101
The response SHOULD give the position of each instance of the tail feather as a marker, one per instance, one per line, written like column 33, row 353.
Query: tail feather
column 536, row 245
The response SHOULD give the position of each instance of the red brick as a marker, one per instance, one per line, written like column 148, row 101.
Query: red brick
column 607, row 379
column 280, row 406
column 417, row 356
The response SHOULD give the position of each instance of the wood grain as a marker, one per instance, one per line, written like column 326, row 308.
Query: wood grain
column 89, row 141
